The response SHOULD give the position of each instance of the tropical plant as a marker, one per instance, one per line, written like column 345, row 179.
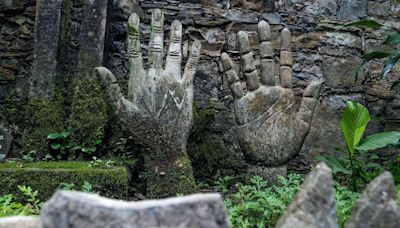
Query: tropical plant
column 352, row 124
column 391, row 56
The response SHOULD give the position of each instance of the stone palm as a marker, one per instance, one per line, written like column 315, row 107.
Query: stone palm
column 158, row 108
column 271, row 127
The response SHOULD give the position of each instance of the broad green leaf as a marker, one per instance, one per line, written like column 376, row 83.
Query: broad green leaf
column 389, row 64
column 366, row 23
column 337, row 165
column 353, row 123
column 379, row 140
column 65, row 134
column 379, row 55
column 89, row 150
column 392, row 39
column 53, row 136
column 55, row 146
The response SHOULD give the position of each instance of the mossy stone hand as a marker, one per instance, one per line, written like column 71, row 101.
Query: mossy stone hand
column 271, row 128
column 158, row 108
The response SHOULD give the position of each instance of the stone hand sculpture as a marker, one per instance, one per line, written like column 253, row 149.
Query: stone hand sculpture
column 158, row 107
column 271, row 128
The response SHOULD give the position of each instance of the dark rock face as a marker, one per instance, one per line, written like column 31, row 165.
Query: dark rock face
column 353, row 9
column 314, row 205
column 6, row 139
column 47, row 39
column 377, row 206
column 75, row 210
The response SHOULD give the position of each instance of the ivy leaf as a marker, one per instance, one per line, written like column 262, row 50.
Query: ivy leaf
column 392, row 39
column 365, row 23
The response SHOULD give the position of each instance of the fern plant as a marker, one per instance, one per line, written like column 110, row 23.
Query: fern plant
column 257, row 205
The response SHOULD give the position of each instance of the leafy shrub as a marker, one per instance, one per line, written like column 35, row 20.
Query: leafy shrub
column 257, row 205
column 345, row 200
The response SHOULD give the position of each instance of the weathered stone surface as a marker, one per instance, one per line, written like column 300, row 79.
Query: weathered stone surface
column 20, row 222
column 92, row 34
column 159, row 101
column 74, row 209
column 47, row 36
column 377, row 207
column 352, row 9
column 314, row 205
column 339, row 72
column 376, row 8
column 267, row 173
column 271, row 130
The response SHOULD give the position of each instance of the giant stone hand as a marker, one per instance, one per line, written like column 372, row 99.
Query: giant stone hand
column 158, row 108
column 271, row 128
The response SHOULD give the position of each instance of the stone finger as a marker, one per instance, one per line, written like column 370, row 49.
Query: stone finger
column 191, row 65
column 286, row 60
column 156, row 45
column 134, row 52
column 247, row 61
column 174, row 58
column 109, row 82
column 309, row 101
column 267, row 62
column 231, row 76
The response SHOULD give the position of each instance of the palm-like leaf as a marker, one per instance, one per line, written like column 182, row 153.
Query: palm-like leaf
column 353, row 123
column 389, row 64
column 365, row 23
column 393, row 39
column 379, row 140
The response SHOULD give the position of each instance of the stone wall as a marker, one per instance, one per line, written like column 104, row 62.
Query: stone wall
column 322, row 49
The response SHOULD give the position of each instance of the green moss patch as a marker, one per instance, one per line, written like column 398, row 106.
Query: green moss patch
column 42, row 117
column 46, row 177
column 89, row 112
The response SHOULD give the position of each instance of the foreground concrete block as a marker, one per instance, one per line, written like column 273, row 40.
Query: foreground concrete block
column 20, row 222
column 377, row 207
column 314, row 205
column 76, row 209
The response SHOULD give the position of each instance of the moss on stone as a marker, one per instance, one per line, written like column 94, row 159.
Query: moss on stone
column 209, row 156
column 89, row 109
column 47, row 176
column 174, row 180
column 42, row 116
